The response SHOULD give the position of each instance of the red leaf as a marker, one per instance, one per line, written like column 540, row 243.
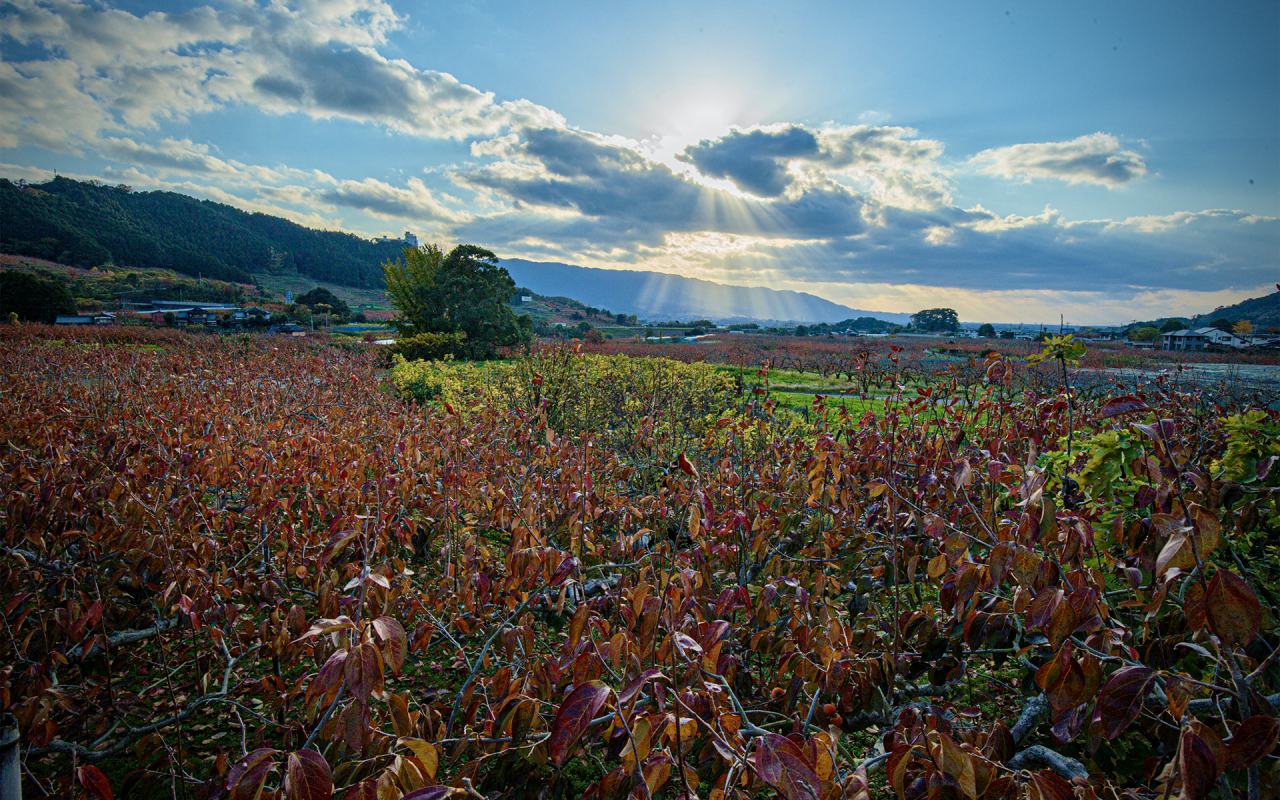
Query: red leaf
column 574, row 716
column 336, row 545
column 686, row 466
column 94, row 782
column 632, row 689
column 330, row 675
column 1255, row 738
column 1120, row 700
column 1124, row 404
column 781, row 763
column 308, row 777
column 247, row 776
column 1000, row 561
column 1232, row 609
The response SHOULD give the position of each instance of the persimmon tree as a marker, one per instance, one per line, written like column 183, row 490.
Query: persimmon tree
column 241, row 567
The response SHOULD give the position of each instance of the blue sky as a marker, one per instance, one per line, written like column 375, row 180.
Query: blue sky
column 1105, row 161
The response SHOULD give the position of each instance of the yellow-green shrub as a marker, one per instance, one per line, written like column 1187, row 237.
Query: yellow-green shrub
column 628, row 403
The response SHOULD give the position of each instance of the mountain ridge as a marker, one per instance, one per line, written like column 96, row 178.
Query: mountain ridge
column 658, row 295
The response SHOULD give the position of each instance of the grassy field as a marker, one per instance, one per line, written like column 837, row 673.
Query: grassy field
column 367, row 300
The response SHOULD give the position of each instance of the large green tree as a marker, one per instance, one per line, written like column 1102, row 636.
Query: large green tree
column 462, row 292
column 321, row 296
column 936, row 319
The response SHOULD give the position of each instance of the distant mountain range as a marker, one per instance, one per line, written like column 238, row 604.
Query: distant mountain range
column 659, row 296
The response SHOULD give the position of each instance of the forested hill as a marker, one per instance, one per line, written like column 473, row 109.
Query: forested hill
column 89, row 224
column 1263, row 312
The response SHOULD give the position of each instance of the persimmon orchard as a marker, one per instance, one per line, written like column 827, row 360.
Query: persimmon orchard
column 243, row 567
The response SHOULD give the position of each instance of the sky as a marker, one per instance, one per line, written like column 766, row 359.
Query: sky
column 1015, row 161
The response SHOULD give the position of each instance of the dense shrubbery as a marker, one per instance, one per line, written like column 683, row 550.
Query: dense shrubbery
column 428, row 347
column 241, row 567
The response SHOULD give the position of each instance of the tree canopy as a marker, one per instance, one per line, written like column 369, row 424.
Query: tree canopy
column 462, row 292
column 33, row 299
column 321, row 296
column 936, row 319
column 987, row 330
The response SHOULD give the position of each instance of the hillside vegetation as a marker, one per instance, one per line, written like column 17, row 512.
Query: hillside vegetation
column 1263, row 312
column 89, row 224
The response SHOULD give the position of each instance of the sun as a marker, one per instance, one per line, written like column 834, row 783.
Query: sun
column 688, row 116
column 698, row 113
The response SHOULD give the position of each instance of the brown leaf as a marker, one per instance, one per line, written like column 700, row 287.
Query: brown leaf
column 1124, row 404
column 364, row 672
column 954, row 762
column 395, row 644
column 1121, row 699
column 426, row 753
column 1046, row 785
column 1232, row 609
column 1062, row 623
column 575, row 714
column 337, row 543
column 436, row 793
column 1178, row 693
column 399, row 706
column 781, row 763
column 522, row 719
column 1201, row 765
column 1176, row 553
column 249, row 774
column 307, row 777
column 94, row 782
column 632, row 689
column 1253, row 740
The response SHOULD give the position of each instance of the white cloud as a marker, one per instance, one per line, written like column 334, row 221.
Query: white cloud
column 1029, row 306
column 1097, row 158
column 415, row 203
column 171, row 155
column 106, row 71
